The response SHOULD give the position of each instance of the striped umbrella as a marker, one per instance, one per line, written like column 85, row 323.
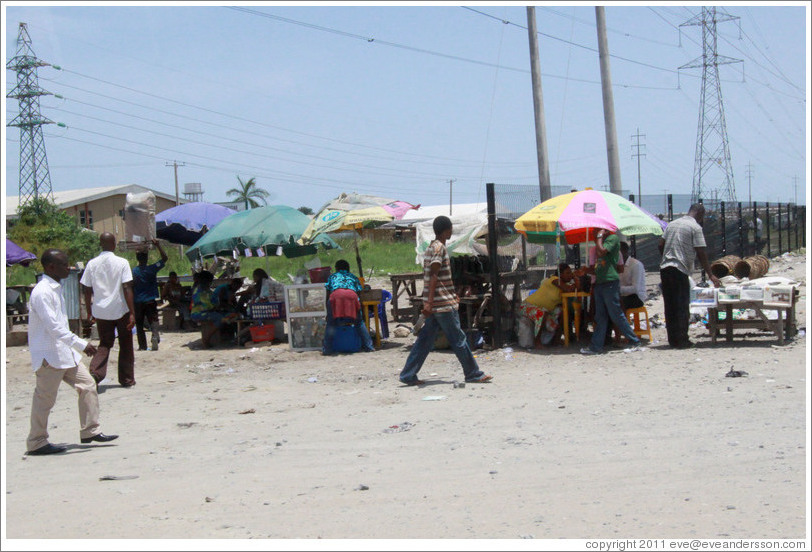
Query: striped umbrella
column 579, row 215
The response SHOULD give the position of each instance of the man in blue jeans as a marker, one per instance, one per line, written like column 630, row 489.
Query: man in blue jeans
column 606, row 292
column 440, row 309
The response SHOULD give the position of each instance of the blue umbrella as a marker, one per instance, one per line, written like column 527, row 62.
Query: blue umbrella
column 186, row 223
column 17, row 255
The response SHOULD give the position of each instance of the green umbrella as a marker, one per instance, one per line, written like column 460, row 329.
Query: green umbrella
column 262, row 228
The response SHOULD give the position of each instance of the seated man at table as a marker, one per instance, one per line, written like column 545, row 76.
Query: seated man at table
column 343, row 288
column 544, row 308
column 174, row 294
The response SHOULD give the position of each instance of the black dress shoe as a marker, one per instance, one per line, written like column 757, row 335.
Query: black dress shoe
column 47, row 449
column 101, row 438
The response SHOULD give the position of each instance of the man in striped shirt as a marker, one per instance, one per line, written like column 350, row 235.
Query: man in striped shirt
column 440, row 312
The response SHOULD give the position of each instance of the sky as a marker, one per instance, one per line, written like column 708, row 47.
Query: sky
column 412, row 102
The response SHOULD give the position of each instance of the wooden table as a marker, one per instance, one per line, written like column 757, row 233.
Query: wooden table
column 783, row 326
column 404, row 283
column 565, row 309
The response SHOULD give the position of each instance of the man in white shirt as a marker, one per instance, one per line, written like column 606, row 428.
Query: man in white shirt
column 56, row 357
column 632, row 280
column 108, row 281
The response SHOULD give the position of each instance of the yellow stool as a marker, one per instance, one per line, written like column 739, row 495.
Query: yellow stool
column 366, row 307
column 638, row 331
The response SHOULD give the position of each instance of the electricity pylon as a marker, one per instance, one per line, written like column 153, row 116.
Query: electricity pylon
column 712, row 150
column 35, row 179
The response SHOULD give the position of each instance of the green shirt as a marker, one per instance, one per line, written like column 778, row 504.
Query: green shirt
column 606, row 266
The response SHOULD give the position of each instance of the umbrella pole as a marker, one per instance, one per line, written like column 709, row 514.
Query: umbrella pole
column 358, row 261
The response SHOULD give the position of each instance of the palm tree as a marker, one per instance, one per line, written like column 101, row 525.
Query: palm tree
column 249, row 193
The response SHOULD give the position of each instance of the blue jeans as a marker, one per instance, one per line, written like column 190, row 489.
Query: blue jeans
column 607, row 307
column 449, row 323
column 330, row 330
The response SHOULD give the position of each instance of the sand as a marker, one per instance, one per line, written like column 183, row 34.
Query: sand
column 266, row 443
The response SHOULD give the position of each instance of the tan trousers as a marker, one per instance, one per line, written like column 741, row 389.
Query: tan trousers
column 48, row 380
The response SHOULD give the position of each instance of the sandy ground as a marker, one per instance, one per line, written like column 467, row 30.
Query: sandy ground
column 267, row 443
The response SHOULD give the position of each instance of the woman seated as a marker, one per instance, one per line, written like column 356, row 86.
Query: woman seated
column 174, row 294
column 343, row 282
column 264, row 289
column 543, row 307
column 206, row 311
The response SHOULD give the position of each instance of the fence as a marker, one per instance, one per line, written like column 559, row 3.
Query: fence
column 728, row 226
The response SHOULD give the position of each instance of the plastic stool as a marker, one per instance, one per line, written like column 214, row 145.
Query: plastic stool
column 638, row 331
column 346, row 338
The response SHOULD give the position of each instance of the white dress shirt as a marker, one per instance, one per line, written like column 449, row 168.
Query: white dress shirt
column 106, row 274
column 49, row 336
column 633, row 279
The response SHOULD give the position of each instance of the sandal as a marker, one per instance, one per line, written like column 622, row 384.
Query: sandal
column 481, row 379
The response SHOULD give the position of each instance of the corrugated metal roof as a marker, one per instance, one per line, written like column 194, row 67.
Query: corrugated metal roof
column 432, row 211
column 69, row 198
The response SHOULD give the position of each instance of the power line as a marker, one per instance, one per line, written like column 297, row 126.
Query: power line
column 243, row 119
column 372, row 40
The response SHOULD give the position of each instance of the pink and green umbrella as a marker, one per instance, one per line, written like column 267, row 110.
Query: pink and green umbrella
column 579, row 215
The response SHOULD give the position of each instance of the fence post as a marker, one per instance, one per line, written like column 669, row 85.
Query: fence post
column 767, row 222
column 724, row 233
column 755, row 230
column 789, row 229
column 670, row 207
column 494, row 272
column 634, row 238
column 795, row 217
column 779, row 229
column 741, row 232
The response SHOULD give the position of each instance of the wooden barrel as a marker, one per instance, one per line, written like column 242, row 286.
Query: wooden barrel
column 751, row 267
column 724, row 266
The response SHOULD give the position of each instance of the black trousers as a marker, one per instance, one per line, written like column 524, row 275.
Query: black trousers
column 677, row 303
column 148, row 311
column 630, row 302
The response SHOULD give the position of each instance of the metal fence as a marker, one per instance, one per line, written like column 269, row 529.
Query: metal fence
column 729, row 226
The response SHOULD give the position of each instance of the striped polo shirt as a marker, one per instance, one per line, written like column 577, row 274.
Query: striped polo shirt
column 445, row 297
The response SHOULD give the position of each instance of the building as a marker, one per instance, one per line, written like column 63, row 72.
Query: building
column 98, row 209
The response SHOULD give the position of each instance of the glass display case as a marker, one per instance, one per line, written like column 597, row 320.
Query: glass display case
column 306, row 309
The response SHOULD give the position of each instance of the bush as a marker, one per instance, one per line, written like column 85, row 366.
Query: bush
column 42, row 225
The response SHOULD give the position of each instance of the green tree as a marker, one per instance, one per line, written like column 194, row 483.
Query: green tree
column 43, row 225
column 249, row 192
column 306, row 210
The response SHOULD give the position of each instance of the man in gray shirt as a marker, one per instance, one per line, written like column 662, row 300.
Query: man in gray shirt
column 681, row 243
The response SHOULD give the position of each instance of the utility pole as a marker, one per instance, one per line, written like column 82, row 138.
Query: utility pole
column 795, row 189
column 450, row 203
column 750, row 183
column 538, row 106
column 176, row 165
column 637, row 154
column 608, row 103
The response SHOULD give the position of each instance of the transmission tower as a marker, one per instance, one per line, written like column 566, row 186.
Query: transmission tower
column 712, row 150
column 35, row 179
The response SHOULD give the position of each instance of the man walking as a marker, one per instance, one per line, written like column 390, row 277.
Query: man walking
column 145, row 278
column 607, row 295
column 56, row 357
column 107, row 283
column 681, row 243
column 440, row 310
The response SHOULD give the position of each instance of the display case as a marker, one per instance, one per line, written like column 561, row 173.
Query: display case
column 306, row 307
